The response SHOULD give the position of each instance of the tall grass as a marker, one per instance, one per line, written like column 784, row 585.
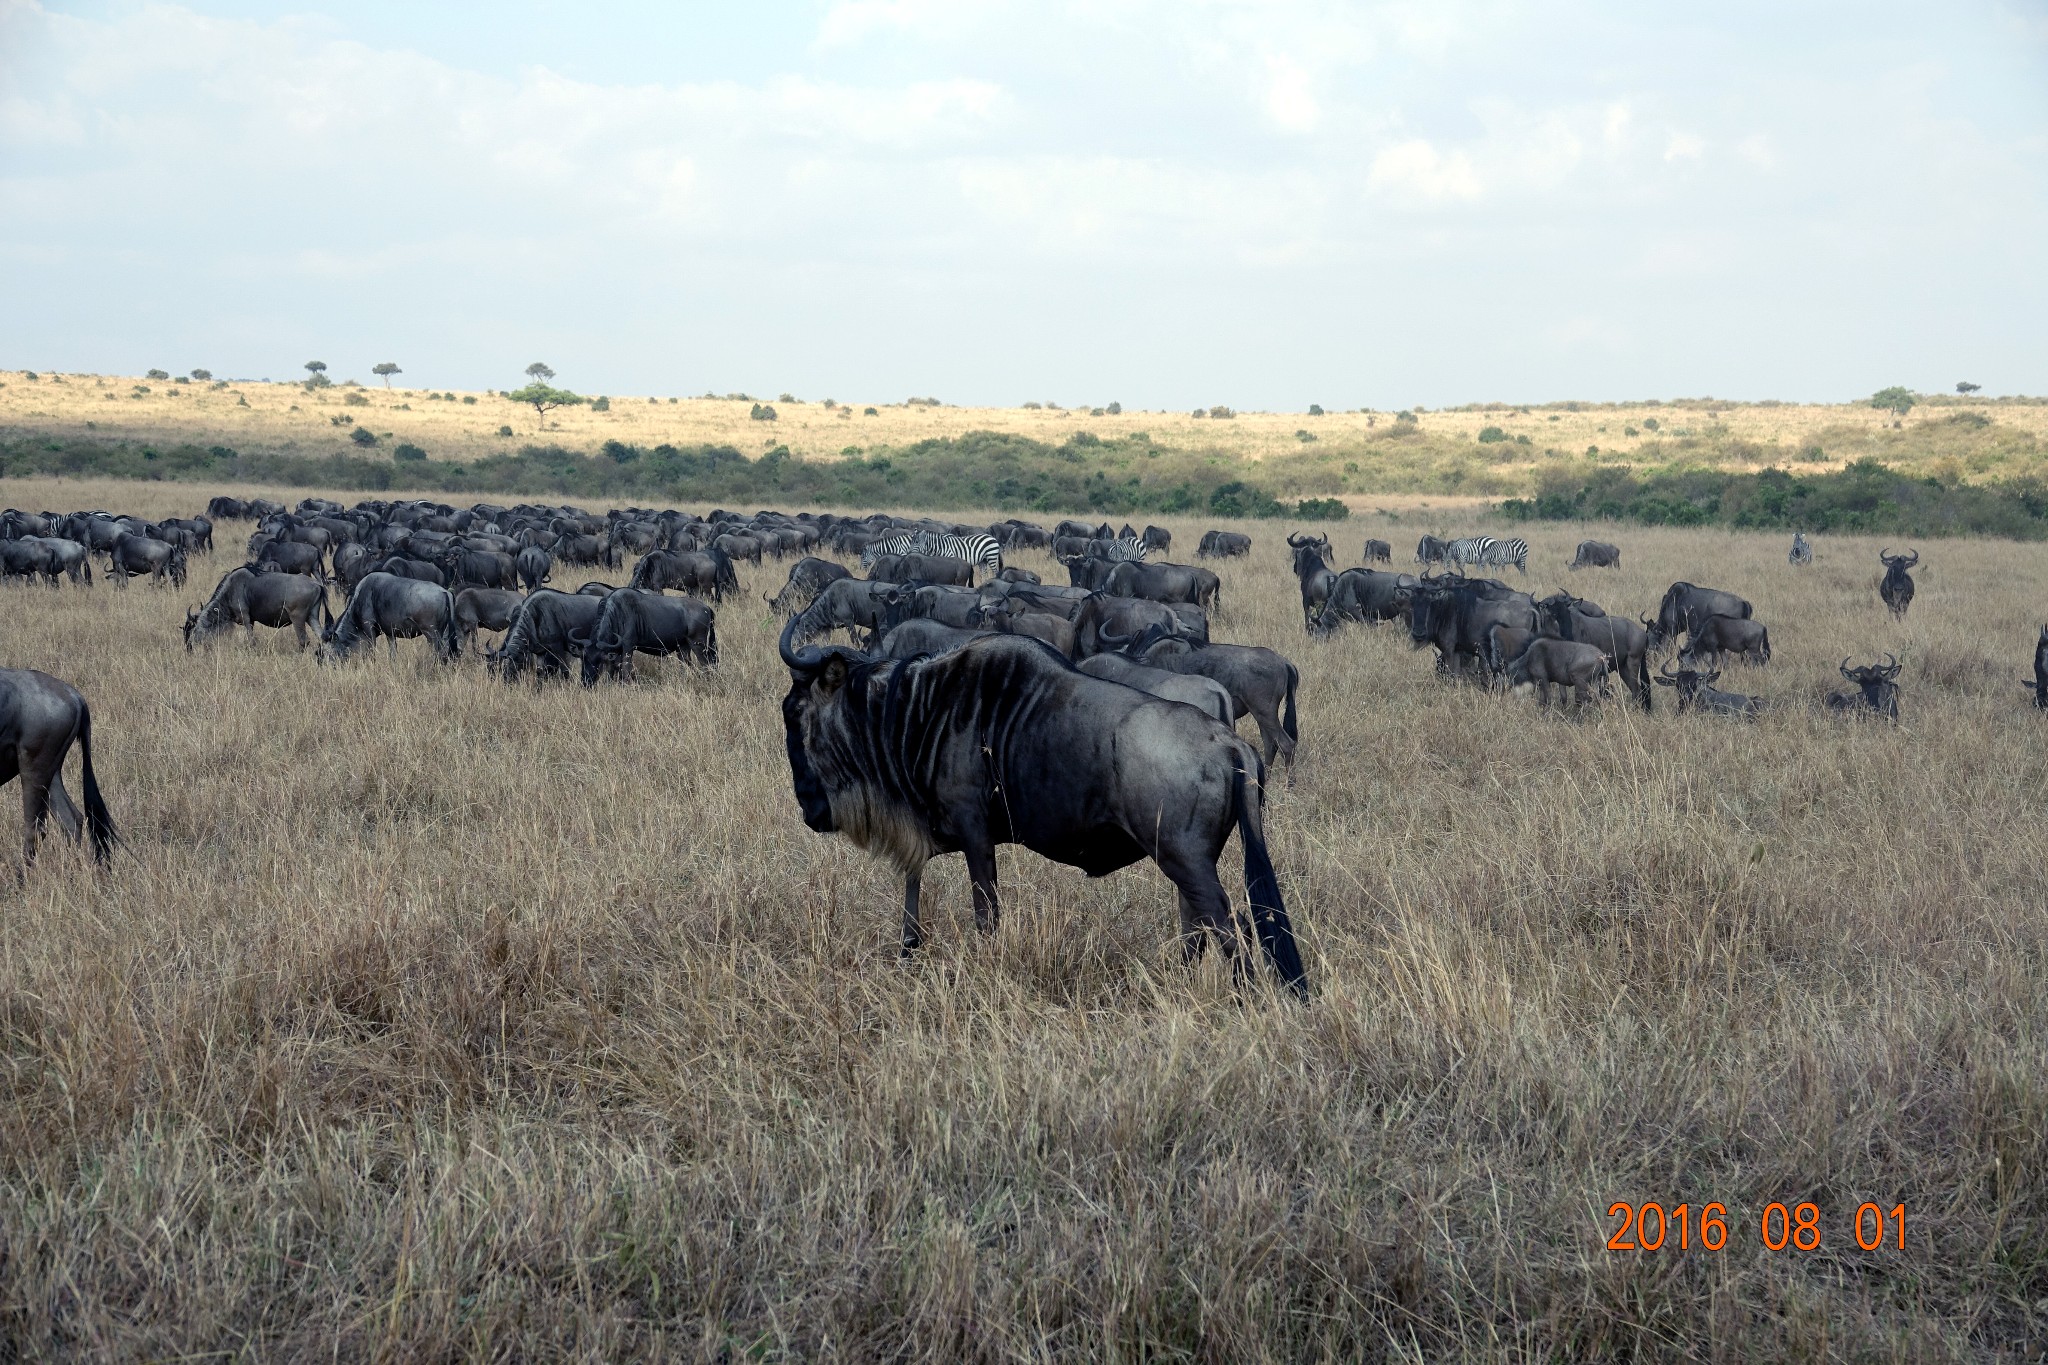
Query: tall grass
column 426, row 1017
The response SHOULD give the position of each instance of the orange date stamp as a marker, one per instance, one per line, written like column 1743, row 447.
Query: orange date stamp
column 1706, row 1227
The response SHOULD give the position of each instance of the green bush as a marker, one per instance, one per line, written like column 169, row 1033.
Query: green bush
column 1321, row 509
column 156, row 374
column 1113, row 409
column 469, row 398
column 761, row 412
column 363, row 436
column 600, row 404
column 1488, row 435
column 1315, row 409
column 405, row 450
column 1304, row 436
column 504, row 431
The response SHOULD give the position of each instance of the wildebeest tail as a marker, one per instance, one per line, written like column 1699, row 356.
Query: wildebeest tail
column 725, row 579
column 1642, row 681
column 1262, row 885
column 99, row 821
column 1287, row 719
column 451, row 631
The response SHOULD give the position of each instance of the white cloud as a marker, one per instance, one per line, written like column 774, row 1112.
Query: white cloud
column 1684, row 147
column 1417, row 171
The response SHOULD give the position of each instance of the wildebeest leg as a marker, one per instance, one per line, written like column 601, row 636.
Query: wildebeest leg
column 913, row 931
column 981, row 871
column 392, row 640
column 1203, row 904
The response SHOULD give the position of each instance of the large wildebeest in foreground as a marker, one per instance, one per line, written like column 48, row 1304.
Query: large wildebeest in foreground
column 1897, row 586
column 1003, row 742
column 132, row 556
column 2039, row 683
column 543, row 635
column 397, row 609
column 1686, row 607
column 807, row 578
column 1696, row 692
column 1876, row 691
column 40, row 716
column 1801, row 553
column 249, row 599
column 1596, row 554
column 1548, row 662
column 635, row 621
column 1223, row 545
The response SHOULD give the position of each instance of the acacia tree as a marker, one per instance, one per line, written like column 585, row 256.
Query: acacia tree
column 539, row 373
column 1897, row 400
column 1966, row 387
column 385, row 371
column 545, row 398
column 316, row 374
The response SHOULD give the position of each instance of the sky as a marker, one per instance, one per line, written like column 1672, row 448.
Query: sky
column 1163, row 203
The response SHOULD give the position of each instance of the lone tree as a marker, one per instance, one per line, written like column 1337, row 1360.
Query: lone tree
column 385, row 371
column 1897, row 400
column 202, row 375
column 539, row 373
column 544, row 398
column 317, row 366
column 1966, row 387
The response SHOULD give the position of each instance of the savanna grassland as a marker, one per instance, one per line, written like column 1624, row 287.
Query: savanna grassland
column 427, row 1017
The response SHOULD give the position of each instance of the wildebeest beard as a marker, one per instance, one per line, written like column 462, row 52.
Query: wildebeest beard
column 863, row 792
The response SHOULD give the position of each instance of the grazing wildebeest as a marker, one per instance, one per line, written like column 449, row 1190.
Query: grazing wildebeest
column 1312, row 570
column 485, row 609
column 1686, row 605
column 1367, row 595
column 1454, row 615
column 1206, row 695
column 198, row 530
column 1002, row 742
column 402, row 566
column 26, row 558
column 705, row 571
column 1876, row 692
column 1802, row 553
column 855, row 605
column 224, row 508
column 351, row 562
column 1165, row 583
column 1897, row 587
column 1261, row 682
column 541, row 634
column 635, row 621
column 916, row 568
column 2040, row 679
column 1546, row 662
column 479, row 569
column 134, row 555
column 571, row 547
column 1378, row 552
column 947, row 605
column 741, row 547
column 246, row 598
column 397, row 609
column 1596, row 554
column 1696, row 692
column 807, row 578
column 1718, row 635
column 1626, row 643
column 40, row 718
column 534, row 564
column 1158, row 538
column 1084, row 572
column 1223, row 545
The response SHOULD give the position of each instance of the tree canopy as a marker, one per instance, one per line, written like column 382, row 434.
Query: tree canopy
column 1966, row 387
column 539, row 372
column 1897, row 399
column 544, row 398
column 384, row 371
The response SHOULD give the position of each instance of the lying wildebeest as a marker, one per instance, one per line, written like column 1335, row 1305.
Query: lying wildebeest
column 397, row 609
column 246, row 598
column 1206, row 695
column 1801, row 554
column 1897, row 587
column 1378, row 552
column 1312, row 571
column 1261, row 682
column 485, row 609
column 534, row 564
column 40, row 717
column 634, row 621
column 855, row 605
column 1013, row 574
column 1002, row 742
column 1548, row 662
column 1367, row 595
column 542, row 634
column 1718, row 635
column 1626, row 643
column 1223, row 545
column 807, row 578
column 1596, row 554
column 1006, row 617
column 2040, row 679
column 133, row 555
column 1696, row 692
column 1685, row 606
column 1876, row 692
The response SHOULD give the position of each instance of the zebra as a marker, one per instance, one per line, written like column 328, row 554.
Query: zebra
column 981, row 551
column 1802, row 553
column 1466, row 550
column 1501, row 553
column 902, row 543
column 1122, row 548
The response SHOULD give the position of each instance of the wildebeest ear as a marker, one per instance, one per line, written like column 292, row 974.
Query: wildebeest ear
column 832, row 676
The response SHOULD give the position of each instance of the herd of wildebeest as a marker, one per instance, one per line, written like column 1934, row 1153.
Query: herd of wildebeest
column 1091, row 721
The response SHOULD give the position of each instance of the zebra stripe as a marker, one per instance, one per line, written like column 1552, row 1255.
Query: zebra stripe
column 1122, row 549
column 904, row 543
column 1500, row 553
column 980, row 551
column 1467, row 550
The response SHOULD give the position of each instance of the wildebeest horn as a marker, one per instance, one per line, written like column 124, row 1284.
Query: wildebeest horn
column 1296, row 540
column 1844, row 670
column 1885, row 554
column 1114, row 641
column 1668, row 671
column 579, row 637
column 805, row 660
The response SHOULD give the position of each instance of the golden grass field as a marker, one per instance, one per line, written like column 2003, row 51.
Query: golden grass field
column 426, row 1017
column 285, row 416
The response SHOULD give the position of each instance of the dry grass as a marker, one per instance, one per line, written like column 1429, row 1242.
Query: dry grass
column 432, row 1018
column 284, row 416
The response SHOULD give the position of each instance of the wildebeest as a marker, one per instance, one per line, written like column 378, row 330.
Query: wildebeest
column 709, row 572
column 807, row 578
column 402, row 566
column 1547, row 662
column 1626, row 643
column 634, row 621
column 1167, row 583
column 135, row 555
column 397, row 609
column 949, row 606
column 1223, row 545
column 534, row 564
column 1596, row 554
column 1378, row 552
column 290, row 556
column 1367, row 595
column 1013, row 574
column 1686, row 605
column 915, row 568
column 40, row 718
column 2040, row 679
column 479, row 569
column 1261, row 682
column 1103, row 618
column 1312, row 572
column 1876, row 692
column 1206, row 695
column 855, row 605
column 1801, row 554
column 249, row 599
column 922, row 635
column 1432, row 550
column 1696, row 691
column 1897, row 587
column 1002, row 742
column 1718, row 635
column 27, row 558
column 1455, row 614
column 1007, row 617
column 71, row 557
column 485, row 609
column 589, row 551
column 224, row 508
column 541, row 634
column 1158, row 538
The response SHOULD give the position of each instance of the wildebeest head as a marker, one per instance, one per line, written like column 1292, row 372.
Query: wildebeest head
column 1557, row 608
column 817, row 676
column 1875, row 688
column 1898, row 563
column 1687, row 682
